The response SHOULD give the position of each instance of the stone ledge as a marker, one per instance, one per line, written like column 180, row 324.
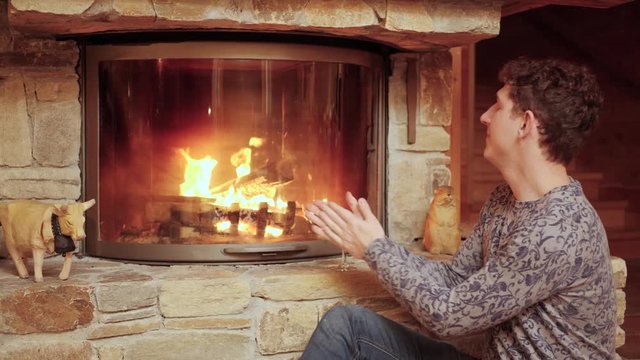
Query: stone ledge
column 137, row 308
column 263, row 316
column 408, row 25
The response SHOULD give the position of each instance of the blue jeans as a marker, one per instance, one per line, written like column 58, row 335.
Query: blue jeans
column 353, row 332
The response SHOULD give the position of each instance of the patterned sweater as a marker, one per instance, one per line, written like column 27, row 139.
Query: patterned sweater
column 536, row 275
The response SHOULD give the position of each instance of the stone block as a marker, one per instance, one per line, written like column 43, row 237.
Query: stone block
column 37, row 58
column 27, row 349
column 619, row 267
column 405, row 226
column 58, row 89
column 45, row 309
column 409, row 189
column 439, row 176
column 436, row 89
column 408, row 15
column 397, row 97
column 209, row 322
column 70, row 174
column 191, row 345
column 279, row 12
column 38, row 189
column 428, row 138
column 124, row 296
column 286, row 327
column 621, row 306
column 227, row 10
column 620, row 337
column 204, row 297
column 67, row 7
column 56, row 132
column 312, row 283
column 15, row 133
column 101, row 331
column 129, row 315
column 479, row 16
column 351, row 14
column 379, row 6
column 135, row 8
column 108, row 352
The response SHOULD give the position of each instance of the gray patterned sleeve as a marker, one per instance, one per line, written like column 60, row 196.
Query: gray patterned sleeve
column 508, row 283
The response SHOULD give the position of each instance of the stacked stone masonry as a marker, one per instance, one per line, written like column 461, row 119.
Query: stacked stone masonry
column 114, row 311
column 408, row 25
column 109, row 310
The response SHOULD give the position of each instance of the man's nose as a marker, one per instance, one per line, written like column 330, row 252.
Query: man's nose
column 484, row 118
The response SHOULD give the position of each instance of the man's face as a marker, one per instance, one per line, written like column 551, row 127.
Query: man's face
column 502, row 128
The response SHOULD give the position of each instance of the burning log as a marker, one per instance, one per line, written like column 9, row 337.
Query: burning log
column 191, row 218
column 261, row 180
column 261, row 220
column 234, row 218
column 290, row 219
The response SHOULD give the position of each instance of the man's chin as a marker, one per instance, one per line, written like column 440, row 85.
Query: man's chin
column 487, row 156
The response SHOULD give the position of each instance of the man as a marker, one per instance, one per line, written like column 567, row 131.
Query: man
column 535, row 272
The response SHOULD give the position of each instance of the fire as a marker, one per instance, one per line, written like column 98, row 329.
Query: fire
column 197, row 175
column 246, row 190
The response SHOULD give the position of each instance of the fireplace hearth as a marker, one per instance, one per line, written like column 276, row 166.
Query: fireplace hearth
column 206, row 151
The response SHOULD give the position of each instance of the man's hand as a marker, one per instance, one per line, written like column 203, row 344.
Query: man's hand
column 352, row 230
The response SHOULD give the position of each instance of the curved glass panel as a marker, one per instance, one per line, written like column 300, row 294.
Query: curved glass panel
column 220, row 151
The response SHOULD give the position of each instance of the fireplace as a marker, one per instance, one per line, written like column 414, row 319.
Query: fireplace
column 206, row 151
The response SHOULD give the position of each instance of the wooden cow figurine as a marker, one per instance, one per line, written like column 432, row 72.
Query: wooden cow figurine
column 32, row 227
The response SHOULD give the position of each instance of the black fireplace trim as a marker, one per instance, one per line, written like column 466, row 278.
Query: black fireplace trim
column 178, row 36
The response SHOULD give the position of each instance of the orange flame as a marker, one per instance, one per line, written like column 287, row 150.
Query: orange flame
column 197, row 178
column 197, row 175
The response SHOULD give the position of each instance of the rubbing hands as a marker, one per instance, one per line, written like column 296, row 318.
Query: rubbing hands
column 352, row 229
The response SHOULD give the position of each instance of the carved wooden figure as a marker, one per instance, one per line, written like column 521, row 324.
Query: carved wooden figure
column 32, row 227
column 442, row 230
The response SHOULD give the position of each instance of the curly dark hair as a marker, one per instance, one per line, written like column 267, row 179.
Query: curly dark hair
column 564, row 96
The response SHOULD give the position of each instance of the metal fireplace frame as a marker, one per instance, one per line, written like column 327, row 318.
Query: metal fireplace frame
column 222, row 253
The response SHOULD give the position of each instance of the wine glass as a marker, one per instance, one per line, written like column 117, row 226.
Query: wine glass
column 344, row 265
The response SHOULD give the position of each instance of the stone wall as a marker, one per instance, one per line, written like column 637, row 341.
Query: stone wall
column 40, row 142
column 114, row 311
column 109, row 310
column 413, row 170
column 40, row 120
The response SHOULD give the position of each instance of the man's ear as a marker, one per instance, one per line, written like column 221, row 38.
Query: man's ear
column 529, row 124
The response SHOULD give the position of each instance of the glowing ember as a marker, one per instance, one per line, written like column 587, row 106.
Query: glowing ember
column 273, row 231
column 243, row 227
column 223, row 226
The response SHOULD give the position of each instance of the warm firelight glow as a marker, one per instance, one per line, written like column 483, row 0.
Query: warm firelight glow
column 256, row 142
column 197, row 182
column 242, row 161
column 243, row 227
column 273, row 231
column 223, row 226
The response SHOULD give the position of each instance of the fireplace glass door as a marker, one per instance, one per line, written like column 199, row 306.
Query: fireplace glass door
column 208, row 151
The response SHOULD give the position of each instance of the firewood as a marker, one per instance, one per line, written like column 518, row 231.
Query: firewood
column 261, row 219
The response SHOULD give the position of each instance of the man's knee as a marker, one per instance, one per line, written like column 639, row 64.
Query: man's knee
column 344, row 316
